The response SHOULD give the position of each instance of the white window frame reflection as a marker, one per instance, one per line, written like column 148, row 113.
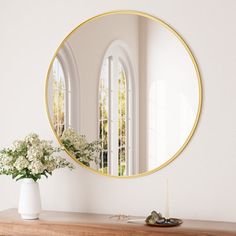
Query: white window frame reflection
column 69, row 67
column 117, row 55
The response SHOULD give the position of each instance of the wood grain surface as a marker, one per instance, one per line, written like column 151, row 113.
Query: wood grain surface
column 83, row 224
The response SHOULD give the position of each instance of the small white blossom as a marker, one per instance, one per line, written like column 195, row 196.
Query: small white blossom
column 6, row 168
column 17, row 145
column 5, row 159
column 51, row 166
column 36, row 167
column 21, row 163
column 47, row 146
column 32, row 139
column 34, row 153
column 80, row 143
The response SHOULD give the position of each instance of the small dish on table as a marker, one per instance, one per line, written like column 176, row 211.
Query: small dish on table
column 156, row 219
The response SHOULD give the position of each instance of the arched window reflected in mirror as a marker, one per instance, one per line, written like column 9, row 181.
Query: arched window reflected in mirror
column 115, row 107
column 59, row 97
column 64, row 96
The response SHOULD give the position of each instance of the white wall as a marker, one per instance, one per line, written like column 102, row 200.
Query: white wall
column 201, row 180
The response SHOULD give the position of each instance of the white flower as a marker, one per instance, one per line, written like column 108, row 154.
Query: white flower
column 32, row 139
column 5, row 159
column 17, row 145
column 49, row 158
column 70, row 135
column 36, row 167
column 34, row 152
column 47, row 145
column 21, row 163
column 51, row 166
column 6, row 168
column 77, row 140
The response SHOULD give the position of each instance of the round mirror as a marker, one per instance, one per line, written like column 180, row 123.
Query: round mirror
column 123, row 94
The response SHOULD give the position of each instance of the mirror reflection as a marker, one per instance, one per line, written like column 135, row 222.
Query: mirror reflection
column 123, row 94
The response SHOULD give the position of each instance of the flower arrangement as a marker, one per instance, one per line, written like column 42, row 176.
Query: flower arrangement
column 31, row 158
column 80, row 148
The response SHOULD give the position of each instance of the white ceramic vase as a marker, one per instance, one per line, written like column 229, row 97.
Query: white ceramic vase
column 29, row 201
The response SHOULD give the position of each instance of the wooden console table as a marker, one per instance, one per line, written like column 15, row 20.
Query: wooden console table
column 81, row 224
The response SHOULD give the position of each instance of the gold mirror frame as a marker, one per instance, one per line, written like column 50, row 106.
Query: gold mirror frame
column 177, row 35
